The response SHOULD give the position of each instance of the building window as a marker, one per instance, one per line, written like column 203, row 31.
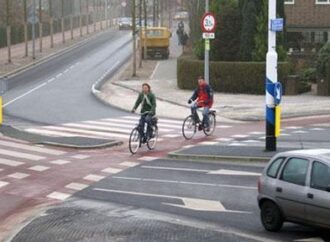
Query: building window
column 322, row 1
column 289, row 1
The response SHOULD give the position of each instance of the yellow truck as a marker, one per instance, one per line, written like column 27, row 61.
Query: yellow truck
column 157, row 41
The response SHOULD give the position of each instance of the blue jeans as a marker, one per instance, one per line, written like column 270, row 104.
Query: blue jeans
column 206, row 110
column 145, row 119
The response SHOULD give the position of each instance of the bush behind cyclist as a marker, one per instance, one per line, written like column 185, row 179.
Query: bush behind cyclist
column 203, row 98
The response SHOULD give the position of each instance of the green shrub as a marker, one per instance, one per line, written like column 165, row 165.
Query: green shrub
column 309, row 75
column 323, row 59
column 228, row 77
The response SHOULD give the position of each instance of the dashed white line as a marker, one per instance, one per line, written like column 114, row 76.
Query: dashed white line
column 39, row 168
column 59, row 196
column 3, row 184
column 59, row 75
column 76, row 186
column 18, row 175
column 93, row 177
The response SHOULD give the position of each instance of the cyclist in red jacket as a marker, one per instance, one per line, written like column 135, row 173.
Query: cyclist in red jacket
column 203, row 98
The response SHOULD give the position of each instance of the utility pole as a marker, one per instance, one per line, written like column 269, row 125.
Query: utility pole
column 26, row 40
column 51, row 20
column 88, row 17
column 134, row 36
column 34, row 29
column 271, row 80
column 207, row 52
column 94, row 15
column 106, row 14
column 40, row 26
column 71, row 19
column 154, row 13
column 80, row 18
column 8, row 22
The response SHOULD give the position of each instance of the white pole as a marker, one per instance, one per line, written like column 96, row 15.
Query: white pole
column 271, row 80
column 207, row 54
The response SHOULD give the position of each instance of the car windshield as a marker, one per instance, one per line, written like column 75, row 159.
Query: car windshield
column 154, row 33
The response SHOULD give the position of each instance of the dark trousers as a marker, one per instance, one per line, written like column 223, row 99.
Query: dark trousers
column 145, row 119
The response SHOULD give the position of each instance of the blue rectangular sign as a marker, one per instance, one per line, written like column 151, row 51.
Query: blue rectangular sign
column 277, row 25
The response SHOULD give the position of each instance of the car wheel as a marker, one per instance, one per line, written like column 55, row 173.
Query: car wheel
column 271, row 216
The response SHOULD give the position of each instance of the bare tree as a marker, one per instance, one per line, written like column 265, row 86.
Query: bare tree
column 8, row 30
column 51, row 23
column 26, row 40
column 40, row 25
column 134, row 36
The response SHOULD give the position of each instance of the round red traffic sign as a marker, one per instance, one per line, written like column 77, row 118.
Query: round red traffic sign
column 208, row 23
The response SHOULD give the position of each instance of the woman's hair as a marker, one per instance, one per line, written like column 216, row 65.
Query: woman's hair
column 147, row 85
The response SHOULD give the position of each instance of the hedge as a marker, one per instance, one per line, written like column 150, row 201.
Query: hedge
column 228, row 77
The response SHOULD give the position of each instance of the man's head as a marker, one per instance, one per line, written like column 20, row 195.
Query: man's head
column 146, row 88
column 201, row 81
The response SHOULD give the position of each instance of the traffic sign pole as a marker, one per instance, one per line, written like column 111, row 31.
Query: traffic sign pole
column 207, row 52
column 271, row 80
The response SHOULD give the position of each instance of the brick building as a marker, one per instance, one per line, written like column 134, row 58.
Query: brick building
column 309, row 17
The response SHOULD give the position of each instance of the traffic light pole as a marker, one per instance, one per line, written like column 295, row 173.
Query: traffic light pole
column 271, row 80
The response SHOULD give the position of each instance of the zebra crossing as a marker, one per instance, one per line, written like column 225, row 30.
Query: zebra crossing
column 116, row 128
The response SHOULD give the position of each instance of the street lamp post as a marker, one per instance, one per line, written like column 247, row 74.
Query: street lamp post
column 271, row 80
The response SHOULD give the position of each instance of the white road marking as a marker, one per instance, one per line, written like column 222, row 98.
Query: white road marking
column 39, row 168
column 3, row 184
column 171, row 136
column 293, row 127
column 188, row 146
column 51, row 80
column 189, row 203
column 50, row 132
column 239, row 136
column 208, row 143
column 60, row 162
column 31, row 148
column 10, row 162
column 237, row 144
column 18, row 175
column 315, row 239
column 88, row 132
column 317, row 129
column 97, row 127
column 300, row 132
column 25, row 94
column 129, row 163
column 154, row 71
column 225, row 139
column 161, row 120
column 76, row 186
column 59, row 196
column 256, row 133
column 251, row 141
column 148, row 158
column 111, row 170
column 224, row 126
column 174, row 169
column 234, row 173
column 59, row 75
column 93, row 178
column 21, row 155
column 80, row 157
column 185, row 183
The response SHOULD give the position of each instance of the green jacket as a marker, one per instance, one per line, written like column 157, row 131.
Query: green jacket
column 146, row 106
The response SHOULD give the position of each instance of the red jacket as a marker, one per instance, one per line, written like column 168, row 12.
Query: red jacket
column 204, row 94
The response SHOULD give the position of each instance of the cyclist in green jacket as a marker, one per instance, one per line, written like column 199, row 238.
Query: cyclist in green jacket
column 148, row 108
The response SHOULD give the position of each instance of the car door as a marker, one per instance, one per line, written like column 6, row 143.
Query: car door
column 318, row 198
column 291, row 188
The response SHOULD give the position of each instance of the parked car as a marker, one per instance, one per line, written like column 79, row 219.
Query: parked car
column 125, row 23
column 295, row 187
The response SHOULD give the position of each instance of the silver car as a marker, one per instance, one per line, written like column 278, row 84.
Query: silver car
column 295, row 187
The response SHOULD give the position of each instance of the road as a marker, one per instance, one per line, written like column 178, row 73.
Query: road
column 59, row 90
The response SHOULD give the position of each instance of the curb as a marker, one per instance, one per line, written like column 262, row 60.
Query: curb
column 178, row 156
column 83, row 147
column 53, row 55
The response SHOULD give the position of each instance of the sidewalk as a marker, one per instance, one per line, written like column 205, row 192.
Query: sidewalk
column 172, row 101
column 18, row 50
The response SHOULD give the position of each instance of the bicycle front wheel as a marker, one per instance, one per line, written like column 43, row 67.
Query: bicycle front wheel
column 212, row 124
column 151, row 144
column 134, row 141
column 189, row 127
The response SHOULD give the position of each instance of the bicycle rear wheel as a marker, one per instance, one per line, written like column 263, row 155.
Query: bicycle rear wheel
column 134, row 141
column 212, row 125
column 189, row 127
column 151, row 144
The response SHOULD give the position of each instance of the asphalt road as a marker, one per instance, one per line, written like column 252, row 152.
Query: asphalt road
column 59, row 90
column 224, row 194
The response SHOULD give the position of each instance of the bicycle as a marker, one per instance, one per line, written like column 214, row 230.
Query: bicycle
column 139, row 136
column 192, row 123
